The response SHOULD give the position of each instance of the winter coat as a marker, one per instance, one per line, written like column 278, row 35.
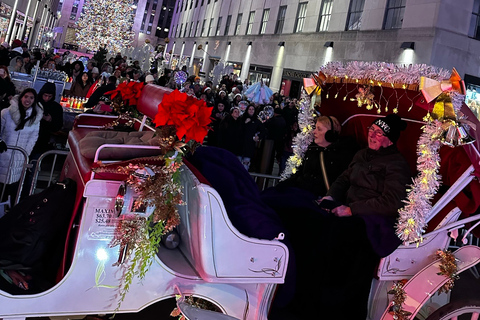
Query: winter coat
column 10, row 92
column 251, row 127
column 78, row 90
column 309, row 176
column 25, row 138
column 230, row 135
column 374, row 186
column 54, row 109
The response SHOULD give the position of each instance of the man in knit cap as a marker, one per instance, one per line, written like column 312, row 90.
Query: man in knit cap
column 360, row 228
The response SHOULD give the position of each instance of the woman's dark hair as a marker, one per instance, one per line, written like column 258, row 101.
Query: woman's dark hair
column 22, row 111
column 5, row 68
column 80, row 81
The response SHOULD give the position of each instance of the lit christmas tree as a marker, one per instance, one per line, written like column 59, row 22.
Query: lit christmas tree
column 105, row 23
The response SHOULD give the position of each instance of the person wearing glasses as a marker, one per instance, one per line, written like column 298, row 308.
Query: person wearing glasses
column 361, row 226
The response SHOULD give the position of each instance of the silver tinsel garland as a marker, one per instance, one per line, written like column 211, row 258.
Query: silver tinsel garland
column 303, row 139
column 411, row 223
column 384, row 72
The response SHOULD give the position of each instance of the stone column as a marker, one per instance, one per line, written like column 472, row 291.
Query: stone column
column 277, row 71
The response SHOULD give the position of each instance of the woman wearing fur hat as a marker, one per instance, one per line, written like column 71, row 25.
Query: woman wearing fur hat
column 20, row 124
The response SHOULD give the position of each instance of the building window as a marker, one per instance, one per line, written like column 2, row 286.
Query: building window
column 251, row 17
column 191, row 4
column 219, row 24
column 325, row 15
column 210, row 26
column 59, row 8
column 192, row 29
column 197, row 29
column 394, row 14
column 474, row 30
column 185, row 30
column 238, row 24
column 280, row 19
column 355, row 11
column 263, row 26
column 73, row 14
column 203, row 27
column 301, row 14
column 181, row 28
column 227, row 25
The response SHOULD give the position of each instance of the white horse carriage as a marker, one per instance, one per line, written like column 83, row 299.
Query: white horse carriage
column 235, row 273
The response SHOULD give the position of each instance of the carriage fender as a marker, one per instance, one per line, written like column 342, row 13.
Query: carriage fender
column 427, row 281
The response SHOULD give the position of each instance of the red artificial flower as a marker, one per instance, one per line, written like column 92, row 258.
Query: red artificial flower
column 129, row 91
column 189, row 115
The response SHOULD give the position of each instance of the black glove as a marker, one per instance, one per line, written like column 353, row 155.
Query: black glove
column 3, row 146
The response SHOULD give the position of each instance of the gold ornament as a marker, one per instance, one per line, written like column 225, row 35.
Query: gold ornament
column 315, row 83
column 440, row 92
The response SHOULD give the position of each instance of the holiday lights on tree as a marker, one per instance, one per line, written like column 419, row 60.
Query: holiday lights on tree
column 105, row 23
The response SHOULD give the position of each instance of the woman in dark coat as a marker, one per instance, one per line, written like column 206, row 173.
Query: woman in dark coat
column 253, row 132
column 230, row 132
column 308, row 183
column 82, row 85
column 218, row 114
column 52, row 120
column 9, row 87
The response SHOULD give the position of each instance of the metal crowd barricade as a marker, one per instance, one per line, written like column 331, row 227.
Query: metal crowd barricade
column 264, row 181
column 51, row 171
column 25, row 166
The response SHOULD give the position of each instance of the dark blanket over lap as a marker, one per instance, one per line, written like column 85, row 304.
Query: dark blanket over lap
column 239, row 193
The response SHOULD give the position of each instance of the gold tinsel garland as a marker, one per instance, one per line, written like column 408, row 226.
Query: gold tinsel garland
column 448, row 268
column 399, row 297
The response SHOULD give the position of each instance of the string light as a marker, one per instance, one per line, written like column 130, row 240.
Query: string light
column 106, row 23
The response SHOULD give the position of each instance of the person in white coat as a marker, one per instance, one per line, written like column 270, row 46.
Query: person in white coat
column 20, row 125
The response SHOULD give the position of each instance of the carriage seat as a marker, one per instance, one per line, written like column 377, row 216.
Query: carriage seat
column 87, row 123
column 215, row 248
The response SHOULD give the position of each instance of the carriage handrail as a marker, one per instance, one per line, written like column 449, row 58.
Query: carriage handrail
column 452, row 192
column 121, row 146
column 452, row 226
column 376, row 116
column 39, row 164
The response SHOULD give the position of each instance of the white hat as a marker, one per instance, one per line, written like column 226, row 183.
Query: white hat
column 238, row 94
column 221, row 92
column 95, row 70
column 149, row 78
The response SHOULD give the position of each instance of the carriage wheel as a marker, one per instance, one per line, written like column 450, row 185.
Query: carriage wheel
column 458, row 310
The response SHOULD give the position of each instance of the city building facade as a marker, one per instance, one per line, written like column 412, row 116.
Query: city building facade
column 283, row 41
column 31, row 21
column 152, row 19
